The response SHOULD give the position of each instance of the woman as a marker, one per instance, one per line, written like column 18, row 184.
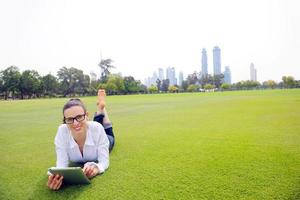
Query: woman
column 81, row 141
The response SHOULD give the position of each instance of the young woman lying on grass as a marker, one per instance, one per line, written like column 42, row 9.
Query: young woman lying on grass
column 81, row 141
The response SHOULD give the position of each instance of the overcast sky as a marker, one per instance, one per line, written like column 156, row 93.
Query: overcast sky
column 142, row 36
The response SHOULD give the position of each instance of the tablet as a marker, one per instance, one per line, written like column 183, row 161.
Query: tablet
column 72, row 175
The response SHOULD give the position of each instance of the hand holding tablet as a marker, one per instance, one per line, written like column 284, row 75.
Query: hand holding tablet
column 90, row 170
column 71, row 175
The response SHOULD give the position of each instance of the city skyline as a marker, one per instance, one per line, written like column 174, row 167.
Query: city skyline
column 170, row 74
column 47, row 35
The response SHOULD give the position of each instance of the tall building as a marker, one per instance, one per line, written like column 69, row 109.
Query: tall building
column 204, row 63
column 180, row 79
column 147, row 81
column 161, row 74
column 217, row 60
column 154, row 78
column 253, row 75
column 151, row 80
column 171, row 75
column 227, row 75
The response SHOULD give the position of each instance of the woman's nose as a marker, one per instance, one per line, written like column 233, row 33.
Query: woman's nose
column 75, row 122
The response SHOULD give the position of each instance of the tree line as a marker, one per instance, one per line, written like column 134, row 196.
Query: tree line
column 196, row 82
column 73, row 82
column 68, row 82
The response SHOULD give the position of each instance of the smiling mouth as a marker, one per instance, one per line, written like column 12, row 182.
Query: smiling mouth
column 77, row 128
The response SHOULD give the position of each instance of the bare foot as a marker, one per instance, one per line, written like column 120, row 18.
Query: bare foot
column 101, row 100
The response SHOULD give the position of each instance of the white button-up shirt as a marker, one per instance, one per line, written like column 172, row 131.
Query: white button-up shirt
column 95, row 150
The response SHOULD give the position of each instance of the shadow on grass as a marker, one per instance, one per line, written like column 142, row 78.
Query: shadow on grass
column 42, row 191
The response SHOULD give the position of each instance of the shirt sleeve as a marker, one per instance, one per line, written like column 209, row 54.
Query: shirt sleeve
column 62, row 159
column 102, row 151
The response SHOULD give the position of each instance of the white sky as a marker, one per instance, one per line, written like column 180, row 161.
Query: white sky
column 142, row 36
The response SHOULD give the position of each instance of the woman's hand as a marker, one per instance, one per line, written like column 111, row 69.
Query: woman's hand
column 55, row 182
column 90, row 171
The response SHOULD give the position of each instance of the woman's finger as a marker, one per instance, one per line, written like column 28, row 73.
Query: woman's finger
column 95, row 171
column 52, row 182
column 89, row 171
column 84, row 169
column 92, row 171
column 55, row 182
column 59, row 185
column 50, row 178
column 58, row 182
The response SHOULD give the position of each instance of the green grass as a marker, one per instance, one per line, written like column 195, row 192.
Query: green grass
column 231, row 145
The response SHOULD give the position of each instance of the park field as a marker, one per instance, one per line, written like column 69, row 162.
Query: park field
column 223, row 145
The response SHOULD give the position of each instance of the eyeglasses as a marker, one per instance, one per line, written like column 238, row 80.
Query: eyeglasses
column 78, row 118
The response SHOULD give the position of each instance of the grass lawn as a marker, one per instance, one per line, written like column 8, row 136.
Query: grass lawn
column 230, row 145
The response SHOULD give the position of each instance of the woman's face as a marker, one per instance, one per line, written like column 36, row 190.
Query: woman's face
column 76, row 119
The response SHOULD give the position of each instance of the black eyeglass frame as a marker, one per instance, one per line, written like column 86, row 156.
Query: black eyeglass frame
column 77, row 118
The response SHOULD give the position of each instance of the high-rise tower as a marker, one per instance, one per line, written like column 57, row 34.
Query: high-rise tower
column 171, row 75
column 227, row 75
column 180, row 79
column 217, row 60
column 252, row 73
column 204, row 63
column 160, row 74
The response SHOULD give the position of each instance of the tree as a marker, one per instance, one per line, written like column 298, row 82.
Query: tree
column 297, row 83
column 269, row 84
column 143, row 88
column 50, row 85
column 184, row 85
column 165, row 85
column 11, row 81
column 246, row 85
column 30, row 83
column 225, row 86
column 111, row 88
column 105, row 66
column 115, row 84
column 209, row 86
column 153, row 89
column 192, row 79
column 288, row 81
column 158, row 84
column 86, row 85
column 173, row 89
column 65, row 81
column 131, row 85
column 1, row 86
column 218, row 80
column 72, row 81
column 193, row 88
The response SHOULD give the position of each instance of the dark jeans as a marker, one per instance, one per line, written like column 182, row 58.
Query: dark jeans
column 108, row 130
